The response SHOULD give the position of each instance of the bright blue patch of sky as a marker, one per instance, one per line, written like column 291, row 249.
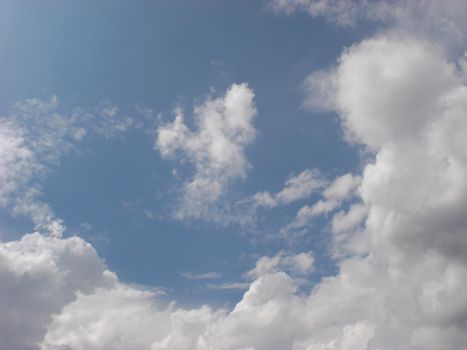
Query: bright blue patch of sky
column 157, row 54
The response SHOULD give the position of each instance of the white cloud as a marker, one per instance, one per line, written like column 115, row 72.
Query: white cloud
column 345, row 221
column 124, row 318
column 57, row 294
column 414, row 235
column 216, row 148
column 301, row 264
column 395, row 110
column 341, row 189
column 25, row 156
column 38, row 276
column 16, row 159
column 201, row 276
column 295, row 188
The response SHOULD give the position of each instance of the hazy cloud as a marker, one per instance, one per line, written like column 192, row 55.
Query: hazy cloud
column 201, row 276
column 34, row 135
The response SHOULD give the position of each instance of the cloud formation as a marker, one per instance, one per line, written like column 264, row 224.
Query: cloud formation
column 401, row 246
column 39, row 275
column 216, row 148
column 414, row 190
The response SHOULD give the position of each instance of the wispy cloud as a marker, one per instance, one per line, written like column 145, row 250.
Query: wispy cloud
column 295, row 188
column 34, row 136
column 229, row 285
column 201, row 276
column 333, row 195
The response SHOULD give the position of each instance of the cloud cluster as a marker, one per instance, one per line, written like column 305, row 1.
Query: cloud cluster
column 216, row 148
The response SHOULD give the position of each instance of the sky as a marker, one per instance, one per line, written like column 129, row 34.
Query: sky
column 233, row 175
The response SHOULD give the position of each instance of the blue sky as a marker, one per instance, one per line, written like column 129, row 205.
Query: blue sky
column 233, row 175
column 155, row 55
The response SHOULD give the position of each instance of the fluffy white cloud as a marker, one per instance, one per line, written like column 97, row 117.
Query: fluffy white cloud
column 55, row 293
column 216, row 148
column 406, row 98
column 124, row 317
column 295, row 188
column 414, row 191
column 39, row 275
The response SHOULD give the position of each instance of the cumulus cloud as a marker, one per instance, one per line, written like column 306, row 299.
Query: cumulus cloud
column 124, row 317
column 295, row 188
column 56, row 293
column 39, row 275
column 406, row 99
column 412, row 193
column 216, row 148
